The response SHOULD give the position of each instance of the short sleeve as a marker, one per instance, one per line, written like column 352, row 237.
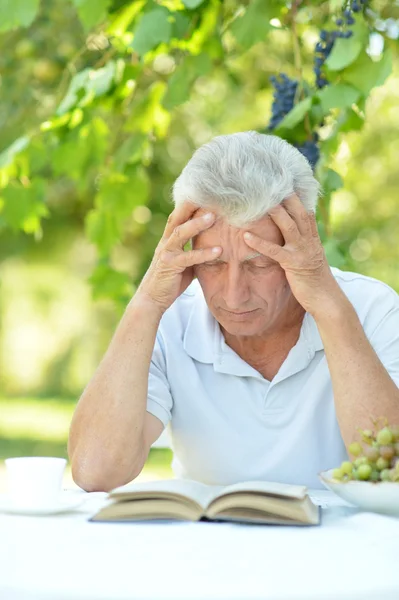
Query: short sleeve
column 384, row 336
column 159, row 398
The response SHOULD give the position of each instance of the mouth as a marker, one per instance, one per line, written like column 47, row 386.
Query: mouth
column 239, row 314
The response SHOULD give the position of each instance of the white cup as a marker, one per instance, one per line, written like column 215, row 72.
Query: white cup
column 34, row 481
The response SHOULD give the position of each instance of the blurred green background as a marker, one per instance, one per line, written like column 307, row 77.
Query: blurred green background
column 53, row 329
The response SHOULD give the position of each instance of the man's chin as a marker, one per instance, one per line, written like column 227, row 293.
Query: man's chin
column 248, row 326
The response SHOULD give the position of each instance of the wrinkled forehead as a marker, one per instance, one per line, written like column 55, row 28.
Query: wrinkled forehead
column 221, row 231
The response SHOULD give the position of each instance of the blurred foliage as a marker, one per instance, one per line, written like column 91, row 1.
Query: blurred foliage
column 102, row 104
column 33, row 427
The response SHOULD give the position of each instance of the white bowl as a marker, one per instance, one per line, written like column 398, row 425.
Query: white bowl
column 381, row 497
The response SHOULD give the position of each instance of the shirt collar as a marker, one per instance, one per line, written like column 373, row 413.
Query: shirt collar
column 204, row 341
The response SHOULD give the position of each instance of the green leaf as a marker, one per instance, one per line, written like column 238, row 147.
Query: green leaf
column 254, row 25
column 344, row 52
column 331, row 181
column 108, row 283
column 153, row 29
column 335, row 5
column 296, row 115
column 366, row 74
column 7, row 156
column 192, row 3
column 81, row 149
column 180, row 83
column 124, row 17
column 335, row 258
column 117, row 197
column 104, row 229
column 91, row 12
column 130, row 151
column 17, row 13
column 86, row 85
column 180, row 25
column 147, row 113
column 23, row 207
column 338, row 96
column 350, row 121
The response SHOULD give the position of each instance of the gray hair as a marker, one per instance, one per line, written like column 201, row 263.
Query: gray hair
column 243, row 175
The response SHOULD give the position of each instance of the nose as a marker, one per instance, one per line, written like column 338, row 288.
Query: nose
column 236, row 292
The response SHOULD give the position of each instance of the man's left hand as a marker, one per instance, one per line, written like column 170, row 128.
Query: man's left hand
column 302, row 257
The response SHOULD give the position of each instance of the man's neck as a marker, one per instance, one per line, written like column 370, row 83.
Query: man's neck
column 271, row 347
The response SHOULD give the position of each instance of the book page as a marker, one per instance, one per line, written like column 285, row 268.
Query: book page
column 200, row 492
column 266, row 487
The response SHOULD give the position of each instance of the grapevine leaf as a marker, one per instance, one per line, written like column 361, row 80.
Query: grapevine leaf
column 86, row 85
column 192, row 3
column 91, row 12
column 254, row 25
column 180, row 82
column 153, row 28
column 296, row 115
column 17, row 13
column 7, row 156
column 365, row 74
column 344, row 52
column 338, row 96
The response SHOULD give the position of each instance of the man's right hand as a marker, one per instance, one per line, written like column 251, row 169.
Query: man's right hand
column 171, row 270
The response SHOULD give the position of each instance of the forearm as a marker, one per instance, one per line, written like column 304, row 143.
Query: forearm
column 106, row 435
column 361, row 385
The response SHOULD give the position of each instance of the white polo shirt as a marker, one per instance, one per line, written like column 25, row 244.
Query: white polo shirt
column 227, row 423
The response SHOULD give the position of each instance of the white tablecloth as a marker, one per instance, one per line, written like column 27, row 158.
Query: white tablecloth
column 351, row 556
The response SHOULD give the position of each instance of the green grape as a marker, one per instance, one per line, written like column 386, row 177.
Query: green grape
column 372, row 453
column 382, row 464
column 396, row 446
column 346, row 467
column 385, row 475
column 384, row 437
column 367, row 435
column 395, row 462
column 394, row 474
column 395, row 433
column 364, row 472
column 387, row 452
column 361, row 460
column 375, row 475
column 355, row 474
column 337, row 474
column 355, row 449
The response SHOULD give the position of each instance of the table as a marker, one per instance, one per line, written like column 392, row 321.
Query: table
column 351, row 556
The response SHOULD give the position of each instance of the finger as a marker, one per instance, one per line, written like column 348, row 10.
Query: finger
column 313, row 225
column 285, row 223
column 298, row 213
column 274, row 251
column 197, row 257
column 184, row 232
column 178, row 216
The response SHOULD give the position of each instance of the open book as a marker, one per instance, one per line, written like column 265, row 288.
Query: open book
column 188, row 500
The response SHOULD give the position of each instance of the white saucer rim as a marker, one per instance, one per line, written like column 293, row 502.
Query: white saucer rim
column 63, row 505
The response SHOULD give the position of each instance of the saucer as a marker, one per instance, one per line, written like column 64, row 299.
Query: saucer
column 64, row 505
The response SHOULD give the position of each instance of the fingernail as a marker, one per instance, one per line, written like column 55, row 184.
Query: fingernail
column 208, row 217
column 247, row 235
column 216, row 249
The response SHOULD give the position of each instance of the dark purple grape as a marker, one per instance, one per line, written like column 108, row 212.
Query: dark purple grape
column 283, row 98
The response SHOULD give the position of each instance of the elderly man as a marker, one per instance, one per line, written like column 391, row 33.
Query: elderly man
column 260, row 358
